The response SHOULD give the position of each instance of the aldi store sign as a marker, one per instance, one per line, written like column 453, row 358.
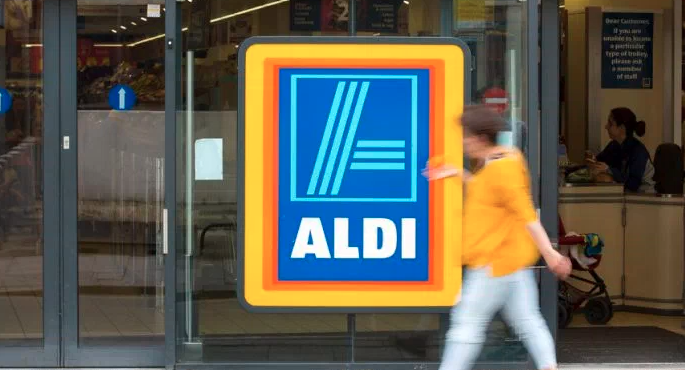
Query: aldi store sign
column 335, row 214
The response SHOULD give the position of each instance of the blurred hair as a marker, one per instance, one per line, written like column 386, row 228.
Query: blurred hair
column 481, row 120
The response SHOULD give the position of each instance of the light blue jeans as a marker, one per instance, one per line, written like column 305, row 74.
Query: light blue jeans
column 516, row 296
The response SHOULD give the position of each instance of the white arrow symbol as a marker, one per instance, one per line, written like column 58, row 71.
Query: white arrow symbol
column 122, row 98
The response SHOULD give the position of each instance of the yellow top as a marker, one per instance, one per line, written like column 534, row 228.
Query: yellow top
column 497, row 209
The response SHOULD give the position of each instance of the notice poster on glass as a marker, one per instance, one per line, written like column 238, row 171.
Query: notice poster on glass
column 335, row 15
column 199, row 29
column 378, row 16
column 473, row 14
column 627, row 50
column 305, row 15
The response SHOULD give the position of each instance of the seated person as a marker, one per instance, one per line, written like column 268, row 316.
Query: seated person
column 625, row 158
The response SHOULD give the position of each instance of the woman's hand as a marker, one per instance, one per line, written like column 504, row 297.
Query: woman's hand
column 598, row 167
column 443, row 171
column 440, row 172
column 560, row 265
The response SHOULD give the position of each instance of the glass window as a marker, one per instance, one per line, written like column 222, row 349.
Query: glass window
column 399, row 18
column 400, row 337
column 495, row 32
column 120, row 79
column 214, row 326
column 207, row 179
column 21, row 174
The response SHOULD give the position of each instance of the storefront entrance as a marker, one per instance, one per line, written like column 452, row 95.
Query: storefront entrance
column 81, row 247
column 119, row 180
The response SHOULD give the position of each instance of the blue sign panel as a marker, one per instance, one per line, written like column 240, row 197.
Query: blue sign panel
column 5, row 100
column 122, row 97
column 355, row 207
column 627, row 50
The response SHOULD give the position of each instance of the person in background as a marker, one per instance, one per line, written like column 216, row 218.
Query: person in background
column 626, row 158
column 502, row 237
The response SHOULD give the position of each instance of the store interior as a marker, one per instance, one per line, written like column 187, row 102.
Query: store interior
column 629, row 307
column 119, row 175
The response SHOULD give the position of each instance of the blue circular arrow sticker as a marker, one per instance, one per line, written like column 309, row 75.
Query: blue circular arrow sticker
column 122, row 97
column 5, row 100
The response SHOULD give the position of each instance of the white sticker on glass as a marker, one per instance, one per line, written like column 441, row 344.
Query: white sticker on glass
column 154, row 10
column 209, row 164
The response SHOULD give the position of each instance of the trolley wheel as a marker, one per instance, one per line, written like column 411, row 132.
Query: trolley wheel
column 598, row 311
column 565, row 315
column 611, row 307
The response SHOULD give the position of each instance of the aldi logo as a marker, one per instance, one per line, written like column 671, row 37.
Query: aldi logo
column 368, row 130
column 335, row 213
column 353, row 143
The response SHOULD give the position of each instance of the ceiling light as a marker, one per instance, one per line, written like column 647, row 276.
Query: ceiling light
column 122, row 27
column 114, row 31
column 406, row 2
column 108, row 45
column 134, row 23
column 219, row 19
column 33, row 45
column 143, row 19
column 250, row 10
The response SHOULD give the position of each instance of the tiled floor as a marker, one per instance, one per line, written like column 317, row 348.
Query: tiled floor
column 672, row 323
column 111, row 303
column 624, row 367
column 100, row 316
column 113, row 306
column 111, row 316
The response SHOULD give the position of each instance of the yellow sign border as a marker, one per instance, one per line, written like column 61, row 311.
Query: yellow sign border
column 254, row 55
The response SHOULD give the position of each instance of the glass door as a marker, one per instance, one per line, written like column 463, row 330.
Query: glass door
column 29, row 185
column 212, row 325
column 113, row 123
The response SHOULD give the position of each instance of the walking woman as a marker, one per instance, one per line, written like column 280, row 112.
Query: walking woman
column 502, row 237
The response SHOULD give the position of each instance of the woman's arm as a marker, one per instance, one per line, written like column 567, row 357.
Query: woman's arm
column 601, row 167
column 636, row 169
column 557, row 263
column 445, row 171
column 609, row 153
column 515, row 196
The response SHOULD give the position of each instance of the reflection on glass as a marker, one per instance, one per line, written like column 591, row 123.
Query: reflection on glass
column 407, row 18
column 495, row 33
column 21, row 170
column 120, row 175
column 207, row 194
column 398, row 337
column 403, row 337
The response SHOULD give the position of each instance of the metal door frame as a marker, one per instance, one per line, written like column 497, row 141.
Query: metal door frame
column 172, row 86
column 47, row 353
column 549, row 139
column 74, row 355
